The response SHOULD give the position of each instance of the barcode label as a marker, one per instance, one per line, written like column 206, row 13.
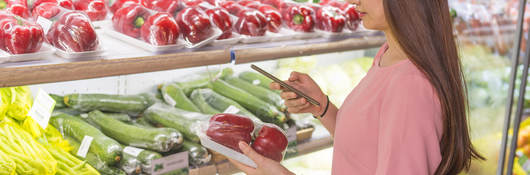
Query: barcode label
column 85, row 145
column 42, row 108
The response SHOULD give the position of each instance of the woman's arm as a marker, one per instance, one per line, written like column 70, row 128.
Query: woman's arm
column 296, row 104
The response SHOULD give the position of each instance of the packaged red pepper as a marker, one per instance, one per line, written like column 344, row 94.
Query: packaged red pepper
column 73, row 32
column 114, row 5
column 231, row 6
column 251, row 22
column 222, row 20
column 95, row 9
column 160, row 29
column 275, row 3
column 274, row 18
column 15, row 7
column 330, row 19
column 48, row 10
column 18, row 36
column 169, row 6
column 230, row 129
column 130, row 19
column 299, row 18
column 249, row 3
column 190, row 3
column 67, row 4
column 271, row 142
column 348, row 10
column 194, row 25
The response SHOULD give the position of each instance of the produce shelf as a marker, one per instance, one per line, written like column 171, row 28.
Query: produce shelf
column 121, row 59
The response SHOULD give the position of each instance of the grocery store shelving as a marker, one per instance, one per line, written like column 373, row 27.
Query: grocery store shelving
column 122, row 59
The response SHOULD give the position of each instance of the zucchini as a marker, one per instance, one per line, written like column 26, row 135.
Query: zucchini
column 184, row 121
column 142, row 122
column 144, row 156
column 198, row 155
column 258, row 91
column 202, row 104
column 131, row 104
column 256, row 79
column 174, row 96
column 221, row 103
column 130, row 164
column 265, row 111
column 151, row 98
column 201, row 80
column 93, row 160
column 59, row 101
column 105, row 148
column 68, row 111
column 120, row 117
column 157, row 139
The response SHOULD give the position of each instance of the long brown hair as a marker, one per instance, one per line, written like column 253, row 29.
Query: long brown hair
column 423, row 29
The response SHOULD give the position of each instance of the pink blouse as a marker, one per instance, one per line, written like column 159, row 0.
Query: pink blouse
column 390, row 123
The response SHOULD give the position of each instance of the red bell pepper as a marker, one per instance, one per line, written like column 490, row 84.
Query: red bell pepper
column 231, row 6
column 169, row 6
column 299, row 18
column 160, row 29
column 230, row 129
column 194, row 24
column 270, row 142
column 190, row 3
column 221, row 19
column 114, row 5
column 275, row 3
column 67, row 4
column 251, row 22
column 47, row 10
column 330, row 19
column 73, row 32
column 348, row 10
column 18, row 36
column 249, row 3
column 130, row 19
column 17, row 9
column 274, row 17
column 95, row 9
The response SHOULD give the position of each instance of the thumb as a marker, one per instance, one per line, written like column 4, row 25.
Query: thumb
column 295, row 76
column 250, row 153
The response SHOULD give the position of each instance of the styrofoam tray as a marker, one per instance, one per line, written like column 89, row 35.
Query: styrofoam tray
column 282, row 35
column 44, row 52
column 229, row 153
column 4, row 56
column 141, row 44
column 217, row 33
column 229, row 41
column 75, row 55
column 306, row 35
column 327, row 34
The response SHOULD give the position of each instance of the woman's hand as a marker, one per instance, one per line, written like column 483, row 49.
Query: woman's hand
column 307, row 85
column 265, row 166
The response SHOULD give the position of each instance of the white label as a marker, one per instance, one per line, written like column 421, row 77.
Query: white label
column 256, row 82
column 291, row 134
column 42, row 108
column 46, row 24
column 84, row 115
column 169, row 163
column 85, row 145
column 169, row 100
column 231, row 110
column 132, row 151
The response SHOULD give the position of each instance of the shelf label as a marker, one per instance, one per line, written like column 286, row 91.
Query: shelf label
column 133, row 151
column 85, row 145
column 172, row 164
column 231, row 110
column 42, row 108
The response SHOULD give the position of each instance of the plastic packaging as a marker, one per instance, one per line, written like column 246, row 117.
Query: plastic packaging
column 349, row 12
column 95, row 9
column 19, row 36
column 222, row 19
column 222, row 103
column 93, row 160
column 174, row 96
column 299, row 17
column 17, row 7
column 130, row 104
column 196, row 28
column 330, row 19
column 274, row 17
column 130, row 164
column 258, row 91
column 169, row 6
column 157, row 139
column 231, row 6
column 230, row 129
column 32, row 4
column 198, row 155
column 144, row 156
column 251, row 22
column 270, row 141
column 142, row 44
column 45, row 50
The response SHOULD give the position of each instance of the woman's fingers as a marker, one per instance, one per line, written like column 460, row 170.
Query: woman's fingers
column 250, row 153
column 295, row 102
column 288, row 95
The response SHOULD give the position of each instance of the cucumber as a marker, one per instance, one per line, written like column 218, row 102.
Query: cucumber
column 157, row 139
column 221, row 103
column 174, row 96
column 198, row 155
column 256, row 79
column 120, row 117
column 68, row 111
column 151, row 98
column 105, row 148
column 144, row 156
column 184, row 121
column 142, row 122
column 131, row 104
column 201, row 80
column 258, row 91
column 130, row 164
column 59, row 101
column 93, row 160
column 265, row 111
column 201, row 103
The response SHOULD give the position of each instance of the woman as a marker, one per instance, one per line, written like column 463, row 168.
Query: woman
column 408, row 115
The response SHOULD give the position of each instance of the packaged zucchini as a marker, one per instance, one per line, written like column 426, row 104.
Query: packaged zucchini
column 130, row 104
column 144, row 156
column 93, row 160
column 105, row 148
column 202, row 104
column 222, row 103
column 156, row 139
column 120, row 117
column 198, row 155
column 200, row 80
column 184, row 121
column 130, row 164
column 258, row 91
column 255, row 78
column 59, row 101
column 174, row 96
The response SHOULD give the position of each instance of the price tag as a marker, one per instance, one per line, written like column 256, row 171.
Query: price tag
column 46, row 24
column 172, row 164
column 85, row 145
column 231, row 110
column 42, row 108
column 133, row 151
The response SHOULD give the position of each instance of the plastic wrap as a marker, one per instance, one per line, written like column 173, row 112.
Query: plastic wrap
column 232, row 7
column 196, row 27
column 93, row 160
column 200, row 80
column 271, row 142
column 169, row 6
column 174, row 96
column 130, row 104
column 59, row 101
column 17, row 7
column 349, row 12
column 32, row 4
column 330, row 19
column 258, row 91
column 103, row 147
column 120, row 117
column 184, row 121
column 130, row 164
column 160, row 29
column 201, row 103
column 299, row 17
column 157, row 139
column 274, row 17
column 222, row 19
column 255, row 79
column 95, row 9
column 251, row 22
column 198, row 155
column 221, row 103
column 144, row 156
column 230, row 129
column 114, row 5
column 19, row 36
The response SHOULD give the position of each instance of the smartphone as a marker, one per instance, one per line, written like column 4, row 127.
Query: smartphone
column 285, row 85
